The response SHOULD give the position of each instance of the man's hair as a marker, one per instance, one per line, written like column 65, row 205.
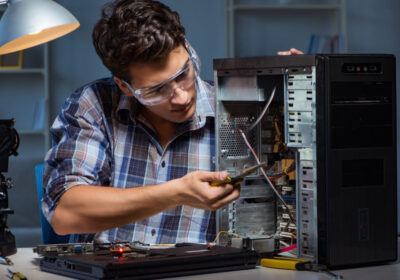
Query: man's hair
column 138, row 31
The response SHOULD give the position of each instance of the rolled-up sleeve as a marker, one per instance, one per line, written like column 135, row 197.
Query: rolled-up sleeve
column 81, row 154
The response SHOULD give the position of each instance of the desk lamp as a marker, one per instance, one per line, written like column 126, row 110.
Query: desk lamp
column 24, row 24
column 28, row 23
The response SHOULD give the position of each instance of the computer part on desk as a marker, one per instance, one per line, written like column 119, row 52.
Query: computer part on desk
column 134, row 260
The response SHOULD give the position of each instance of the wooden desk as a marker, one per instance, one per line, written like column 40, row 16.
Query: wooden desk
column 27, row 262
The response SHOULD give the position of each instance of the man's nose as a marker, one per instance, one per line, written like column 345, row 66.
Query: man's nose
column 180, row 95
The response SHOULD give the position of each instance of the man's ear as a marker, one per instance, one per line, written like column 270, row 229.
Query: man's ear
column 186, row 46
column 122, row 86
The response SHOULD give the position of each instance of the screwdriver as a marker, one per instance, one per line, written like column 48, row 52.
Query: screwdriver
column 16, row 275
column 5, row 260
column 282, row 262
column 239, row 178
column 297, row 264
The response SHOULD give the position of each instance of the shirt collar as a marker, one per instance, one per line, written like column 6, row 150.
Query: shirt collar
column 127, row 108
column 205, row 104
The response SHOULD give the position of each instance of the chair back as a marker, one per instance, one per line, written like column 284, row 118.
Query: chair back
column 48, row 234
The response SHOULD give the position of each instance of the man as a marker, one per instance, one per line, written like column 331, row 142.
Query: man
column 134, row 153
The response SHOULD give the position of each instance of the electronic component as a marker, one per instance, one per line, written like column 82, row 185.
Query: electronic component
column 9, row 142
column 88, row 248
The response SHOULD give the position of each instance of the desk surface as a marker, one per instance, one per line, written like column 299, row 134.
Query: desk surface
column 27, row 262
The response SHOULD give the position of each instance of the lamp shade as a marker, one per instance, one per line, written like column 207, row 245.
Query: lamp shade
column 28, row 23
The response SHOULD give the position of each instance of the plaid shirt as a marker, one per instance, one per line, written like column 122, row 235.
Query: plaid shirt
column 101, row 139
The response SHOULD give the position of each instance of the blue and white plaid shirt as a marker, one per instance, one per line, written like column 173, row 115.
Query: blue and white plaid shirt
column 101, row 139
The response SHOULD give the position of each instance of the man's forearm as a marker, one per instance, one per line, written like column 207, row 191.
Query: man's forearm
column 89, row 209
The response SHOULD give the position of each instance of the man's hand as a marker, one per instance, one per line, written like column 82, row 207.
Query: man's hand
column 290, row 52
column 197, row 192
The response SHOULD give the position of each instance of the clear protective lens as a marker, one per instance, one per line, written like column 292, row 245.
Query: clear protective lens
column 182, row 79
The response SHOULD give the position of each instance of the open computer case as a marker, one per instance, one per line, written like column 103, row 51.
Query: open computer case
column 328, row 136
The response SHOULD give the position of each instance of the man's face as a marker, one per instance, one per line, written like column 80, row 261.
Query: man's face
column 180, row 102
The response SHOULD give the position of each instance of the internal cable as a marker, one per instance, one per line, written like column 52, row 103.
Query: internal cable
column 257, row 159
column 288, row 248
column 210, row 245
column 266, row 176
column 284, row 172
column 263, row 112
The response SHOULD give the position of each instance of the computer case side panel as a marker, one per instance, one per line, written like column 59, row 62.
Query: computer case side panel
column 360, row 141
column 321, row 134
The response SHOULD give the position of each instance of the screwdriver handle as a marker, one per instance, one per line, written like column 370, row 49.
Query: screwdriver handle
column 16, row 275
column 277, row 263
column 226, row 181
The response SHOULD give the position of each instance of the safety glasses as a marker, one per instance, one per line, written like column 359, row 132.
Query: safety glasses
column 183, row 79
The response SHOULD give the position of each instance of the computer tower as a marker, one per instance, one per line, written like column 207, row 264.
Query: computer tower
column 326, row 129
